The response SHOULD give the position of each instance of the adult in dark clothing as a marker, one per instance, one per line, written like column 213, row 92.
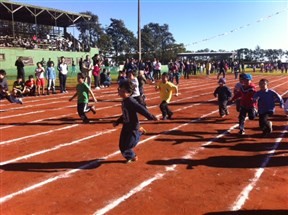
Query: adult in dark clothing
column 20, row 68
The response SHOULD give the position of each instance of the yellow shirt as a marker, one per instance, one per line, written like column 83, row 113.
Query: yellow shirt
column 166, row 90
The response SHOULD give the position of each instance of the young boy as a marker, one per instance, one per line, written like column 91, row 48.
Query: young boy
column 286, row 107
column 237, row 89
column 224, row 94
column 82, row 91
column 30, row 86
column 4, row 92
column 247, row 104
column 166, row 89
column 18, row 87
column 132, row 76
column 266, row 105
column 131, row 131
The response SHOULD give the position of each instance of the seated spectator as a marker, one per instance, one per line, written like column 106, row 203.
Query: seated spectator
column 30, row 86
column 18, row 87
column 105, row 79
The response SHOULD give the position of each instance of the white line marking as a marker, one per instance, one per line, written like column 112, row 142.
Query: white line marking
column 244, row 195
column 56, row 147
column 38, row 134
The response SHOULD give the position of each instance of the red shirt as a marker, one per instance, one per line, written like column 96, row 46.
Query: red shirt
column 246, row 96
column 30, row 84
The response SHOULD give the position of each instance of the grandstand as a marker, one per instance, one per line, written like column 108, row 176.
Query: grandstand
column 15, row 42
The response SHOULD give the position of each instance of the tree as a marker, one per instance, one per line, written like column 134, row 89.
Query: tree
column 156, row 39
column 123, row 40
column 90, row 31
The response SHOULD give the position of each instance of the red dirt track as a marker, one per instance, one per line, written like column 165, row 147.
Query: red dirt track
column 196, row 163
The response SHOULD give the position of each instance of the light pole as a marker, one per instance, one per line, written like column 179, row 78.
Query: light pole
column 139, row 31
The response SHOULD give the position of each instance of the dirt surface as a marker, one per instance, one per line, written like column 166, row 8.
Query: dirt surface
column 52, row 163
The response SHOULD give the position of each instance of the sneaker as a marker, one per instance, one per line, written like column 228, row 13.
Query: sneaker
column 142, row 130
column 170, row 116
column 65, row 91
column 93, row 109
column 269, row 129
column 20, row 101
column 164, row 117
column 241, row 132
column 227, row 112
column 97, row 88
column 86, row 121
column 132, row 159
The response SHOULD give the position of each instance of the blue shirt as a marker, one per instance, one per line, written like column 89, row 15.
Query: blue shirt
column 50, row 73
column 266, row 100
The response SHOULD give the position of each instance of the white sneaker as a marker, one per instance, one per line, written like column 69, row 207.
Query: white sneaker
column 20, row 101
column 270, row 129
column 97, row 88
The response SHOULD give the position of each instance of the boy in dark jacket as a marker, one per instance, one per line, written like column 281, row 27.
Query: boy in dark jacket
column 131, row 130
column 224, row 94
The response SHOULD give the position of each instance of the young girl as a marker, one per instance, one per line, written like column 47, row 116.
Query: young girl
column 40, row 81
column 82, row 91
column 51, row 78
column 131, row 131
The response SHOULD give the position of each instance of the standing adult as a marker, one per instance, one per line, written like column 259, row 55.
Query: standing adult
column 87, row 67
column 63, row 71
column 20, row 68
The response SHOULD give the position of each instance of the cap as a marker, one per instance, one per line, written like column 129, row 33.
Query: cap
column 247, row 77
column 222, row 80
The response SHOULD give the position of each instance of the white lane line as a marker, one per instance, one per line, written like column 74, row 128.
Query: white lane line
column 114, row 203
column 135, row 190
column 67, row 174
column 38, row 134
column 57, row 147
column 244, row 195
column 89, row 137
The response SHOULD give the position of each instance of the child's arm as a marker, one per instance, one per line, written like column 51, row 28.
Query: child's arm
column 92, row 94
column 73, row 97
column 118, row 121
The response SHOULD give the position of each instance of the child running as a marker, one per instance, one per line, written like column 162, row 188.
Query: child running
column 266, row 99
column 247, row 104
column 166, row 89
column 131, row 130
column 82, row 91
column 224, row 94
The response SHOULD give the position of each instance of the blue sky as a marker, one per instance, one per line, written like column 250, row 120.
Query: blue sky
column 228, row 25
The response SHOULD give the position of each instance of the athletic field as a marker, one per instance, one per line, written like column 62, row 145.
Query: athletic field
column 196, row 163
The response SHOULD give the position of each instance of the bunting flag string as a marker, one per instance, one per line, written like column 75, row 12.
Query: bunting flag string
column 225, row 33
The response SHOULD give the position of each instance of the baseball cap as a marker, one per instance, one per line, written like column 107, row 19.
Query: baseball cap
column 247, row 77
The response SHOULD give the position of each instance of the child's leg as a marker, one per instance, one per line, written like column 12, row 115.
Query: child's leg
column 222, row 108
column 241, row 117
column 128, row 140
column 163, row 108
column 82, row 108
column 263, row 123
column 168, row 111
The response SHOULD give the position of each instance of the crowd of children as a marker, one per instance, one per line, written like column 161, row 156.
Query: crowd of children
column 131, row 83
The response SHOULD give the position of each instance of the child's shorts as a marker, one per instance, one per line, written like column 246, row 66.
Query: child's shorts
column 40, row 82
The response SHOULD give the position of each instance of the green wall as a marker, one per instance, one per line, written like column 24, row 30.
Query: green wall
column 10, row 55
